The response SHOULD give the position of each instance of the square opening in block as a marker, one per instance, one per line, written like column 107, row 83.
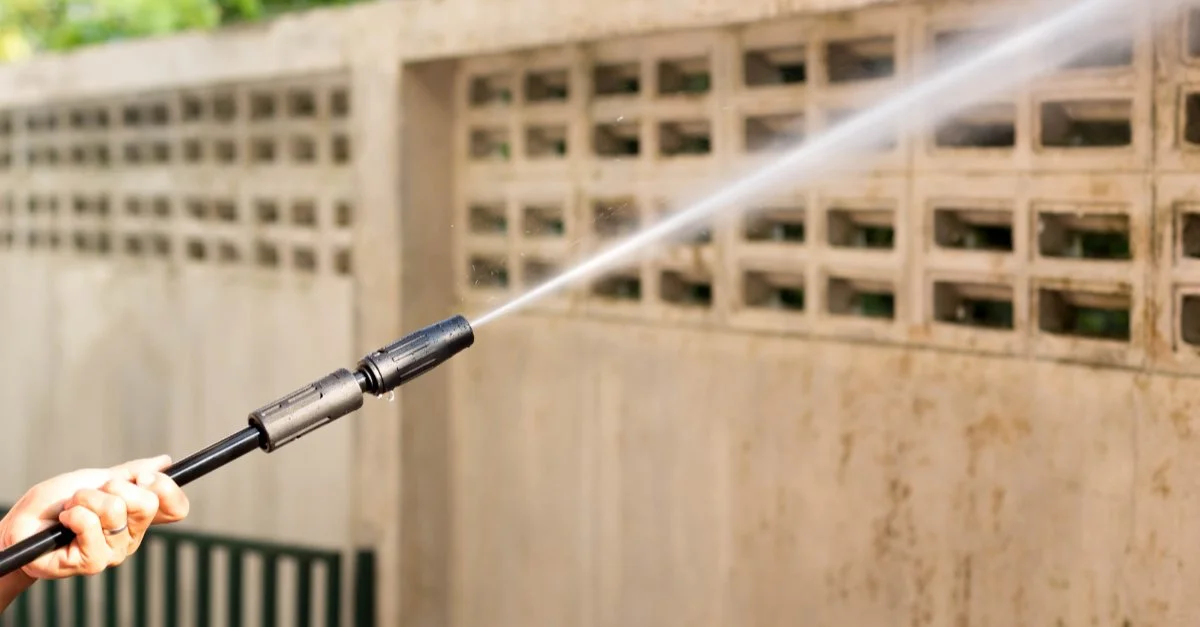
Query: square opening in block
column 342, row 263
column 544, row 220
column 860, row 59
column 862, row 298
column 262, row 150
column 1087, row 123
column 161, row 207
column 224, row 108
column 339, row 103
column 862, row 228
column 267, row 211
column 487, row 272
column 1100, row 236
column 981, row 126
column 1189, row 233
column 225, row 150
column 490, row 144
column 301, row 103
column 488, row 218
column 547, row 86
column 193, row 151
column 161, row 244
column 262, row 106
column 774, row 131
column 546, row 142
column 304, row 149
column 776, row 291
column 304, row 213
column 491, row 90
column 614, row 217
column 684, row 76
column 340, row 149
column 685, row 289
column 1114, row 52
column 1085, row 314
column 197, row 208
column 1191, row 118
column 304, row 259
column 879, row 142
column 687, row 137
column 133, row 246
column 625, row 285
column 617, row 79
column 982, row 305
column 343, row 214
column 785, row 65
column 776, row 224
column 617, row 140
column 988, row 230
column 690, row 233
column 192, row 108
column 158, row 114
column 228, row 253
column 1189, row 319
column 950, row 45
column 196, row 250
column 266, row 254
column 537, row 271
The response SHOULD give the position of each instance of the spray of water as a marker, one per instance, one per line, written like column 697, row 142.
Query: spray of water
column 1051, row 41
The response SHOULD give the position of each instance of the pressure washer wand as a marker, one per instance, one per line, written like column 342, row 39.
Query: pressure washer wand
column 297, row 414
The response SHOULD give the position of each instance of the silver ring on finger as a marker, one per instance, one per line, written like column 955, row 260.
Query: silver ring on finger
column 116, row 531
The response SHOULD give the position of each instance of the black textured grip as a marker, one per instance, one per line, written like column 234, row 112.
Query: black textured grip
column 415, row 354
column 311, row 407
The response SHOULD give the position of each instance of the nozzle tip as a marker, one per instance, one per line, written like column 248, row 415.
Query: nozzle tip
column 415, row 354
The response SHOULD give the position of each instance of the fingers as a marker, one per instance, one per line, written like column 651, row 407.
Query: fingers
column 141, row 507
column 173, row 505
column 91, row 514
column 147, row 473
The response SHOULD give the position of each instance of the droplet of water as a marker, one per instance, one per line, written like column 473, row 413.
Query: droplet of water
column 391, row 396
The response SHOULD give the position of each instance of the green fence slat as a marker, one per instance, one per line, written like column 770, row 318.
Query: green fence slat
column 333, row 591
column 112, row 595
column 233, row 617
column 48, row 595
column 203, row 584
column 141, row 586
column 364, row 589
column 170, row 581
column 303, row 599
column 79, row 601
column 22, row 610
column 270, row 590
column 50, row 601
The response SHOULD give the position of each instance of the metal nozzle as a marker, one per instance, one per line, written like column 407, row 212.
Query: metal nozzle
column 415, row 354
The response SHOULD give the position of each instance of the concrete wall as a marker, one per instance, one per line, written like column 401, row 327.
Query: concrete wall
column 726, row 458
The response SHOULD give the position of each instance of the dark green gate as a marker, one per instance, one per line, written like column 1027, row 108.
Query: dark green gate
column 217, row 580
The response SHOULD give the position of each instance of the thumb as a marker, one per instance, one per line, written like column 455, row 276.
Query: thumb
column 131, row 470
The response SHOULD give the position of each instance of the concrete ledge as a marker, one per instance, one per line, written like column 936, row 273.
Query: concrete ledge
column 329, row 39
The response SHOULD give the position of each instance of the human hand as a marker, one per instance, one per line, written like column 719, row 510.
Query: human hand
column 108, row 509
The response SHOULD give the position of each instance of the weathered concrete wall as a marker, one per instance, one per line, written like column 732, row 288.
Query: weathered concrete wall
column 598, row 461
column 609, row 475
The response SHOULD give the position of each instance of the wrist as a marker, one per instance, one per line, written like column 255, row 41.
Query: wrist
column 12, row 585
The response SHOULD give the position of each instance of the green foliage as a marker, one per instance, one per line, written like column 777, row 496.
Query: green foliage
column 29, row 26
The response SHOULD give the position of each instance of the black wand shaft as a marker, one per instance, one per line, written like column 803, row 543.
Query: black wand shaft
column 181, row 472
column 293, row 416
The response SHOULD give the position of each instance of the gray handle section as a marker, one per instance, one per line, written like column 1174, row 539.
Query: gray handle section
column 309, row 408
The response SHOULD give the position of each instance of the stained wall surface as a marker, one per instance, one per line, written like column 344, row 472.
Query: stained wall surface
column 953, row 387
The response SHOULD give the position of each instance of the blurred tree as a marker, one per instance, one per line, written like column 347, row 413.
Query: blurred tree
column 30, row 26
